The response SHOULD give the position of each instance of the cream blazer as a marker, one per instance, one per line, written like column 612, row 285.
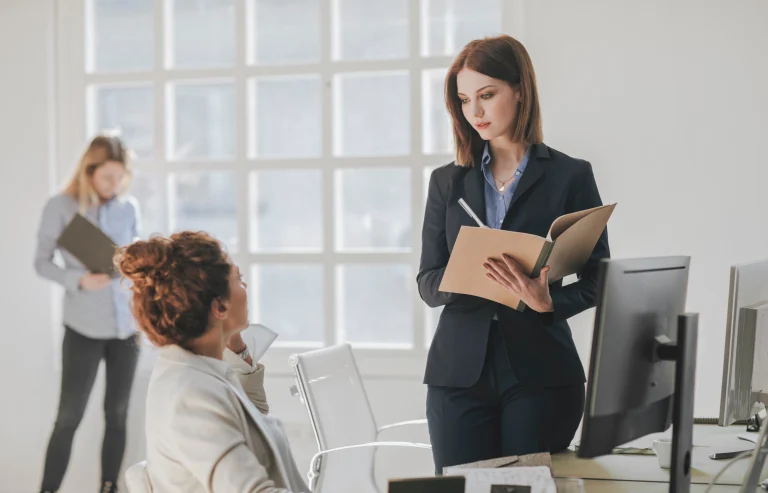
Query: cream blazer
column 207, row 428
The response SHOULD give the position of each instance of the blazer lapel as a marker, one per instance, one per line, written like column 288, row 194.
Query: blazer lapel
column 533, row 172
column 474, row 192
column 258, row 420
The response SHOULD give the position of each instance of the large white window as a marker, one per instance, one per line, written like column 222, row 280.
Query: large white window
column 300, row 133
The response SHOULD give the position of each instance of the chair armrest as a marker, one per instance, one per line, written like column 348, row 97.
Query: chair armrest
column 312, row 464
column 403, row 423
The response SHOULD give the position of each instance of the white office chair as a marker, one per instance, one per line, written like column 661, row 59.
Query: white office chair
column 329, row 384
column 136, row 479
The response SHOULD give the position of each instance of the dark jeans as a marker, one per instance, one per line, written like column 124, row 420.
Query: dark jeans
column 497, row 416
column 80, row 362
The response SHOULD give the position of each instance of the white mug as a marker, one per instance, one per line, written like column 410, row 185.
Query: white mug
column 663, row 450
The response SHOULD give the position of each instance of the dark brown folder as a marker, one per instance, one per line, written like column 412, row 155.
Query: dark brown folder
column 90, row 245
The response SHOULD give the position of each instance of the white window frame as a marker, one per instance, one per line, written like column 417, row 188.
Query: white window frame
column 71, row 133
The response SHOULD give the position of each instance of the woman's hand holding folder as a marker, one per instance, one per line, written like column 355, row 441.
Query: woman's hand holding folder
column 93, row 282
column 532, row 292
column 566, row 250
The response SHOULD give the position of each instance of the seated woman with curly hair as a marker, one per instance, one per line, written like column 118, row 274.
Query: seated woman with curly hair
column 206, row 423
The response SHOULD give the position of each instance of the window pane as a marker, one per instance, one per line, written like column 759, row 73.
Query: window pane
column 150, row 190
column 286, row 210
column 363, row 317
column 205, row 201
column 287, row 120
column 202, row 34
column 203, row 121
column 289, row 300
column 370, row 30
column 432, row 318
column 438, row 137
column 282, row 31
column 373, row 209
column 128, row 110
column 372, row 114
column 120, row 35
column 448, row 25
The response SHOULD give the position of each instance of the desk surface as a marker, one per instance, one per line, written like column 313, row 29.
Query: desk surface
column 597, row 486
column 641, row 473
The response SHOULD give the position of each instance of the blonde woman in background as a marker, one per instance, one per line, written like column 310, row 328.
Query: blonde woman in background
column 97, row 320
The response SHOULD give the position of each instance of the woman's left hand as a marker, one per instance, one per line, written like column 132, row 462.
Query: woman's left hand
column 533, row 292
column 236, row 343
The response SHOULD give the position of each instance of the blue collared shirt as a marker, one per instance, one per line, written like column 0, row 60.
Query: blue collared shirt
column 497, row 203
column 101, row 314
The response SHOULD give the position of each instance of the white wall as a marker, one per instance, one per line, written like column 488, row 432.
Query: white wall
column 26, row 364
column 29, row 381
column 666, row 99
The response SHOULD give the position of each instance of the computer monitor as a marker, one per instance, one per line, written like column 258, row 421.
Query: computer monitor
column 641, row 376
column 745, row 364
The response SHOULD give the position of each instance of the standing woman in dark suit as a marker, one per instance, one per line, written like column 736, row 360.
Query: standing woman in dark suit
column 502, row 382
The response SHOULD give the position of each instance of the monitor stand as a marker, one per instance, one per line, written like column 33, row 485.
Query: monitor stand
column 683, row 353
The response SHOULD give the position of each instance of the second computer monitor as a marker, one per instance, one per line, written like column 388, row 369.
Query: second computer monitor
column 630, row 392
column 745, row 365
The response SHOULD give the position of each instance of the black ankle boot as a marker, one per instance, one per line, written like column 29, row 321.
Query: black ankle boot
column 108, row 487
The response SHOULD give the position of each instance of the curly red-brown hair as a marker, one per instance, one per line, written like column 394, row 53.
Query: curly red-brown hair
column 175, row 281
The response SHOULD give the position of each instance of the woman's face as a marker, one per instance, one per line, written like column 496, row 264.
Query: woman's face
column 489, row 105
column 237, row 308
column 107, row 178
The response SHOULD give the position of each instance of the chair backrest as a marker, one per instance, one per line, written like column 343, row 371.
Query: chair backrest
column 330, row 386
column 136, row 479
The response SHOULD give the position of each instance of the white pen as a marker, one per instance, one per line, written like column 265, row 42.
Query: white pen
column 471, row 213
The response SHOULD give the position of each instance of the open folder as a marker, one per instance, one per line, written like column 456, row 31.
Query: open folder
column 90, row 245
column 258, row 338
column 565, row 250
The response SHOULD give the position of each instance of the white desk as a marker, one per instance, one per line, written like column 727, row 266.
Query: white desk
column 641, row 473
column 596, row 486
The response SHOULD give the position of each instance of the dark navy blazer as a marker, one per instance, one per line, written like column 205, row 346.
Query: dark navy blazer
column 540, row 346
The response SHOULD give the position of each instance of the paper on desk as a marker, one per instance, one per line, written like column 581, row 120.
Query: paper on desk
column 527, row 460
column 258, row 338
column 539, row 478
